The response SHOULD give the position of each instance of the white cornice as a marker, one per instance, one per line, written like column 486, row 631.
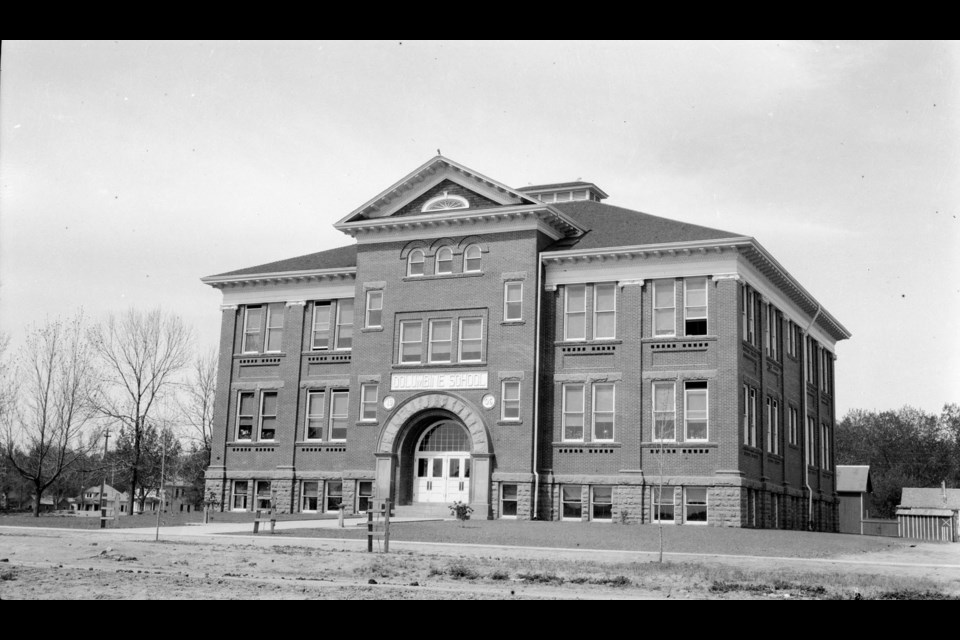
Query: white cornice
column 308, row 276
column 551, row 221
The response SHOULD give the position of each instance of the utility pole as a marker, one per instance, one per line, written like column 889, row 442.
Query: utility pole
column 103, row 482
column 162, row 494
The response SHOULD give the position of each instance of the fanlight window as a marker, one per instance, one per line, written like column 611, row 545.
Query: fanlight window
column 445, row 202
column 446, row 436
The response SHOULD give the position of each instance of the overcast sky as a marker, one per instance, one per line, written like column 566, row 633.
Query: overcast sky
column 130, row 170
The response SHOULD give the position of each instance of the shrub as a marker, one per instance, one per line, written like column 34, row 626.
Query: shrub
column 461, row 510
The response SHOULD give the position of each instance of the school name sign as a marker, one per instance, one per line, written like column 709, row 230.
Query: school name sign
column 438, row 381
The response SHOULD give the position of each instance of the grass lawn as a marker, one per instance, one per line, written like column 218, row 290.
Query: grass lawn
column 139, row 521
column 587, row 535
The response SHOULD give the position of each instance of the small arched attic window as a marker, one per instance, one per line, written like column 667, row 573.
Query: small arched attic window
column 445, row 202
column 471, row 259
column 444, row 260
column 415, row 263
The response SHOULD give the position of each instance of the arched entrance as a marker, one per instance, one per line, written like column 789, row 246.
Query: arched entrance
column 442, row 463
column 415, row 422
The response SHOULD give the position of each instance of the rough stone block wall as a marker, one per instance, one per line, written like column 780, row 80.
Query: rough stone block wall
column 628, row 504
column 726, row 508
column 215, row 486
column 283, row 491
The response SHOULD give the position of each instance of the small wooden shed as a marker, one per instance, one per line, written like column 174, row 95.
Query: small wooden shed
column 855, row 496
column 929, row 514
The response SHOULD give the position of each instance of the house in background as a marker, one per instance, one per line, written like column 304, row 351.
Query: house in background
column 177, row 499
column 534, row 352
column 855, row 497
column 930, row 514
column 114, row 502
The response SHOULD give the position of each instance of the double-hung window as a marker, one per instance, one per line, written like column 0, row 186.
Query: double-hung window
column 334, row 495
column 321, row 326
column 368, row 402
column 573, row 412
column 811, row 447
column 604, row 311
column 471, row 339
column 314, row 426
column 695, row 505
column 695, row 306
column 238, row 500
column 664, row 308
column 601, row 504
column 339, row 410
column 603, row 411
column 411, row 342
column 773, row 426
column 773, row 323
column 824, row 446
column 268, row 415
column 472, row 262
column 753, row 417
column 364, row 496
column 274, row 334
column 374, row 309
column 344, row 325
column 792, row 429
column 575, row 312
column 264, row 495
column 246, row 413
column 696, row 412
column 572, row 502
column 508, row 501
column 752, row 318
column 310, row 496
column 664, row 411
column 444, row 260
column 662, row 504
column 415, row 263
column 510, row 401
column 513, row 301
column 252, row 326
column 440, row 341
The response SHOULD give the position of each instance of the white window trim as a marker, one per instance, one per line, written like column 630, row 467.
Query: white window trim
column 337, row 325
column 686, row 413
column 233, row 495
column 655, row 512
column 753, row 417
column 364, row 403
column 260, row 417
column 567, row 313
column 269, row 313
column 672, row 411
column 775, row 425
column 673, row 307
column 503, row 400
column 331, row 318
column 429, row 204
column 333, row 416
column 706, row 504
column 460, row 340
column 612, row 412
column 437, row 261
column 706, row 304
column 371, row 295
column 319, row 484
column 402, row 343
column 246, row 321
column 563, row 412
column 751, row 318
column 327, row 495
column 562, row 502
column 506, row 300
column 517, row 500
column 479, row 257
column 593, row 501
column 430, row 341
column 236, row 434
column 422, row 261
column 321, row 417
column 596, row 313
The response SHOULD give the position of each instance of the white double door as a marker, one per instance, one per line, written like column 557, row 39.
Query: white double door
column 442, row 477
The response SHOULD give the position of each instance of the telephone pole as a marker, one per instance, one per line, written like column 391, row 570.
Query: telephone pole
column 103, row 482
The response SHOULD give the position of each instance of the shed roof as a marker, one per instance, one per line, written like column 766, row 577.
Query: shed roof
column 854, row 478
column 930, row 498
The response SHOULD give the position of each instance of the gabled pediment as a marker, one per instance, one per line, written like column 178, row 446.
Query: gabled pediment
column 443, row 186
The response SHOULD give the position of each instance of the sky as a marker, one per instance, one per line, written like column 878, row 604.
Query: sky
column 129, row 170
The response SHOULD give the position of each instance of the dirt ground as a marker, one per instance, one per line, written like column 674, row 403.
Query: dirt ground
column 122, row 565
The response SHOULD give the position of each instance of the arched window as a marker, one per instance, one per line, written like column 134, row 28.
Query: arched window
column 445, row 202
column 445, row 260
column 415, row 263
column 471, row 259
column 445, row 436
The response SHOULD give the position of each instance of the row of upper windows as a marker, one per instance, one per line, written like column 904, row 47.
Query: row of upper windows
column 751, row 415
column 443, row 261
column 327, row 412
column 331, row 326
column 604, row 309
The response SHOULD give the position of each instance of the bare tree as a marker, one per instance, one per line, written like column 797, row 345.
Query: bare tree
column 57, row 378
column 196, row 403
column 142, row 353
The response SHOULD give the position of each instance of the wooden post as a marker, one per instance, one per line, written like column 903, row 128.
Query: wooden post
column 386, row 527
column 370, row 531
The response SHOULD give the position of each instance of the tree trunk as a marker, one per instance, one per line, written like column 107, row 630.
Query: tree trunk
column 36, row 502
column 135, row 472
